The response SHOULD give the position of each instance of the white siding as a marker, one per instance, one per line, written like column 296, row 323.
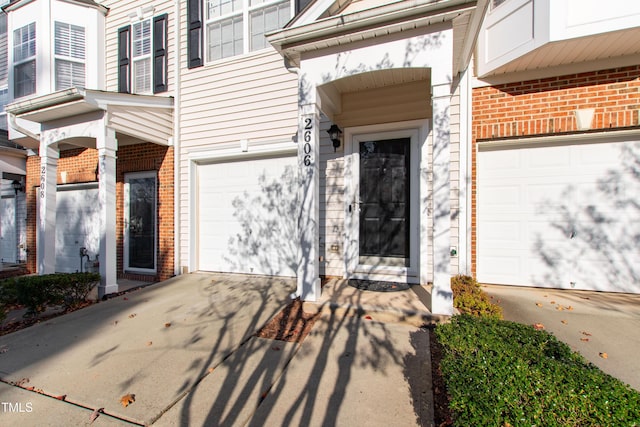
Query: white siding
column 249, row 97
column 118, row 16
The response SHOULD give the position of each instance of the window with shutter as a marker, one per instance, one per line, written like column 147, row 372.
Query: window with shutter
column 24, row 59
column 69, row 50
column 142, row 56
column 235, row 27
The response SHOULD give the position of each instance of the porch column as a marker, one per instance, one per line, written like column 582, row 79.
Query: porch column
column 46, row 248
column 106, row 144
column 441, row 296
column 309, row 200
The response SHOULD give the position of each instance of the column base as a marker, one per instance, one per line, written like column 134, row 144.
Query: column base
column 309, row 292
column 107, row 289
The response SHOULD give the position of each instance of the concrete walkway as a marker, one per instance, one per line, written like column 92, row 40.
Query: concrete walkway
column 592, row 323
column 185, row 348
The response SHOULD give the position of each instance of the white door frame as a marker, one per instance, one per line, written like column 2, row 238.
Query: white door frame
column 352, row 138
column 127, row 194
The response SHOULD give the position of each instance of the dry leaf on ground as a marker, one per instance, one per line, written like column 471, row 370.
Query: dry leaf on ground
column 127, row 399
column 538, row 304
column 61, row 397
column 131, row 316
column 538, row 326
column 149, row 343
column 168, row 324
column 604, row 355
column 585, row 333
column 564, row 322
column 584, row 339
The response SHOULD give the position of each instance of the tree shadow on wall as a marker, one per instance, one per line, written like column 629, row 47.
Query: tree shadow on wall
column 267, row 240
column 594, row 240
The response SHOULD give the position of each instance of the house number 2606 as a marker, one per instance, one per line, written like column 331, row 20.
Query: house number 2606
column 308, row 128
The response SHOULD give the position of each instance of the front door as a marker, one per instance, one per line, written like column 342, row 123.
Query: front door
column 384, row 202
column 140, row 222
column 381, row 217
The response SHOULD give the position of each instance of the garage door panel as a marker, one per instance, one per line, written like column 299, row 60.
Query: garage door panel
column 578, row 223
column 247, row 221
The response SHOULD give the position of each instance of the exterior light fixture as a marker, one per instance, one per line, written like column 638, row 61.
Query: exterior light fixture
column 335, row 134
column 17, row 186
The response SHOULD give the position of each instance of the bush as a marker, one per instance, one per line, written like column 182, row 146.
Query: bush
column 469, row 298
column 502, row 373
column 37, row 293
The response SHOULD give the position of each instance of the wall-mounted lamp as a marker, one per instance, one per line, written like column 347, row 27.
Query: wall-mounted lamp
column 335, row 134
column 17, row 186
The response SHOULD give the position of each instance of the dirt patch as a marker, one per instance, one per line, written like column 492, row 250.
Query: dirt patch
column 442, row 414
column 292, row 324
column 25, row 322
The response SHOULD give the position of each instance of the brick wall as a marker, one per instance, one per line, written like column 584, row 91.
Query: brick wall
column 80, row 165
column 547, row 107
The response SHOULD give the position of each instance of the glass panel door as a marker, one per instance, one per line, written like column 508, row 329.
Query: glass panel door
column 140, row 221
column 384, row 202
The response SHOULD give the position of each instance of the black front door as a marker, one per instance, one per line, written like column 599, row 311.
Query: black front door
column 384, row 202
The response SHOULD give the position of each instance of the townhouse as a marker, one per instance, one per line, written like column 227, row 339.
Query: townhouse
column 359, row 139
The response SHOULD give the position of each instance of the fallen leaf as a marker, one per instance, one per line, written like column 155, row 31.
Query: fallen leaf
column 546, row 296
column 125, row 298
column 95, row 414
column 30, row 388
column 538, row 326
column 585, row 333
column 559, row 308
column 62, row 397
column 115, row 322
column 367, row 317
column 275, row 348
column 127, row 399
column 210, row 370
column 604, row 355
column 564, row 322
column 168, row 324
column 131, row 316
column 538, row 304
column 570, row 308
column 552, row 302
column 149, row 343
column 584, row 339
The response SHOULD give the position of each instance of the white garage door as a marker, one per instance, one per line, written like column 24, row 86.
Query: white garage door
column 77, row 225
column 563, row 216
column 247, row 216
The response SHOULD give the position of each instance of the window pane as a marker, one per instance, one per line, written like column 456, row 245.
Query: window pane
column 265, row 20
column 69, row 40
column 142, row 75
column 24, row 42
column 216, row 8
column 25, row 79
column 69, row 74
column 142, row 38
column 225, row 38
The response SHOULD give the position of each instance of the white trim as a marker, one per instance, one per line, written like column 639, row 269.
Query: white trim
column 126, row 213
column 572, row 138
column 412, row 130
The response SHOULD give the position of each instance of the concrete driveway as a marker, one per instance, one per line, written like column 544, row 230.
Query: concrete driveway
column 155, row 343
column 186, row 349
column 603, row 327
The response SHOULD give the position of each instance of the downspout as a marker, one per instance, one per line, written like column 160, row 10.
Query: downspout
column 22, row 130
column 176, row 143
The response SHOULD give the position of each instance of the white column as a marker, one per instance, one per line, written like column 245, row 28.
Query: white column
column 309, row 200
column 441, row 296
column 106, row 144
column 46, row 250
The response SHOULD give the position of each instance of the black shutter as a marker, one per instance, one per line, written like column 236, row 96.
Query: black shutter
column 194, row 33
column 160, row 53
column 124, row 59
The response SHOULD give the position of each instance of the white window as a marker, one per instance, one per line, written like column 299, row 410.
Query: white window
column 24, row 59
column 141, row 56
column 234, row 27
column 69, row 55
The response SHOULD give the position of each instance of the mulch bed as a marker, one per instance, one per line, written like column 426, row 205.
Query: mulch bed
column 30, row 321
column 442, row 414
column 292, row 324
column 377, row 285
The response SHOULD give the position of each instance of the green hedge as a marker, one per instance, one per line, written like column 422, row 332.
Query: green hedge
column 501, row 373
column 37, row 293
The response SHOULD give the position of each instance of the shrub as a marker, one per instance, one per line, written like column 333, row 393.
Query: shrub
column 469, row 298
column 503, row 373
column 37, row 293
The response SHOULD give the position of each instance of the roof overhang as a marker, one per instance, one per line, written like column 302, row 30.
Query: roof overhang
column 125, row 113
column 88, row 3
column 392, row 18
